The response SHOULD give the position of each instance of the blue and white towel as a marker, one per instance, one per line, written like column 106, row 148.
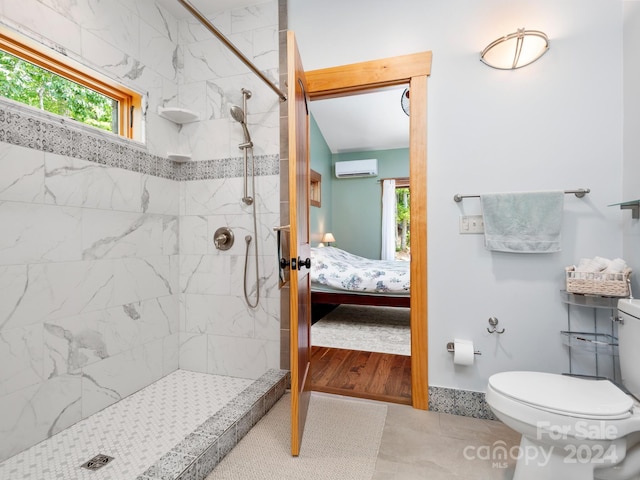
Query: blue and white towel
column 523, row 222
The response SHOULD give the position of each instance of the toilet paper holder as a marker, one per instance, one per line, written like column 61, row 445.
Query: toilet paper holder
column 451, row 348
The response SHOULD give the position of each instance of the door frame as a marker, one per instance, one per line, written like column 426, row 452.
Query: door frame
column 363, row 77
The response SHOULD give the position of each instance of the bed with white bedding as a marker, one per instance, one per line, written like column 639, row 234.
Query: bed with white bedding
column 339, row 277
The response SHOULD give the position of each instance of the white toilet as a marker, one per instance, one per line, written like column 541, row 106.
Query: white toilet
column 576, row 428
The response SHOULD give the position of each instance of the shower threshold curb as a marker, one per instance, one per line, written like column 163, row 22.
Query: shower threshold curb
column 197, row 455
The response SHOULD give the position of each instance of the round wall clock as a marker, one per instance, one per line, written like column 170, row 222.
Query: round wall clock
column 404, row 101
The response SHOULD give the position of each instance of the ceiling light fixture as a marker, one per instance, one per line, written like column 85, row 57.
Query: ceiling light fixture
column 515, row 50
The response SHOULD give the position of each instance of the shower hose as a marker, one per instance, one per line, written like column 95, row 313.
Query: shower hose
column 255, row 243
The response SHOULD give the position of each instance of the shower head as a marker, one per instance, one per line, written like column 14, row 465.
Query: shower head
column 237, row 113
column 239, row 116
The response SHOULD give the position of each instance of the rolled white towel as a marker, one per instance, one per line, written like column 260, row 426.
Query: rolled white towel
column 590, row 265
column 604, row 262
column 616, row 265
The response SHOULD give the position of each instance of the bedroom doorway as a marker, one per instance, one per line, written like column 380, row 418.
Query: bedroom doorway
column 363, row 351
column 354, row 79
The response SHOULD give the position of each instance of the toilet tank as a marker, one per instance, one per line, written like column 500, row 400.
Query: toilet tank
column 629, row 342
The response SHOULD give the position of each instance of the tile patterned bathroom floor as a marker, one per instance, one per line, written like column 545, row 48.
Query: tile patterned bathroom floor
column 420, row 445
column 137, row 431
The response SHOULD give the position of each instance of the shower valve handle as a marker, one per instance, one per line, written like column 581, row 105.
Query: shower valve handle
column 223, row 238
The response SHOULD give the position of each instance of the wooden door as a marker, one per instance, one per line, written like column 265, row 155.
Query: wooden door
column 299, row 250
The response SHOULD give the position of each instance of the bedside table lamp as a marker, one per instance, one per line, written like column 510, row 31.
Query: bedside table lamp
column 328, row 238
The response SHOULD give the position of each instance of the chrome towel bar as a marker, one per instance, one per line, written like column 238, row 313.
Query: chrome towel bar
column 579, row 192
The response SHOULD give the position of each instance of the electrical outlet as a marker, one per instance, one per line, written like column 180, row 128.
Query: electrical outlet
column 471, row 224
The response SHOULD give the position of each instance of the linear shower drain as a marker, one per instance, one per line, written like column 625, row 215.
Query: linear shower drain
column 97, row 462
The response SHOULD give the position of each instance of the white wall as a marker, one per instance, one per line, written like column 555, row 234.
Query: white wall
column 555, row 124
column 631, row 182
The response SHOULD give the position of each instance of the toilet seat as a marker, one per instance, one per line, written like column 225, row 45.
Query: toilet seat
column 564, row 395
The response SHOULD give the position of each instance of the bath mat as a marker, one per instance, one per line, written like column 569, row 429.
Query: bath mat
column 371, row 329
column 340, row 442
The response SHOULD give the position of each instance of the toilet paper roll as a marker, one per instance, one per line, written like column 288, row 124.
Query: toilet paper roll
column 463, row 352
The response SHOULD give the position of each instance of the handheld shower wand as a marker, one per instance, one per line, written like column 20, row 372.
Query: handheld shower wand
column 239, row 115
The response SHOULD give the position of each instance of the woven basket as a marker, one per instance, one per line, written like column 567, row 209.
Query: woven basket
column 603, row 284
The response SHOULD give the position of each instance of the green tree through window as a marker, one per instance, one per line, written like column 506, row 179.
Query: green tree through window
column 30, row 84
column 403, row 220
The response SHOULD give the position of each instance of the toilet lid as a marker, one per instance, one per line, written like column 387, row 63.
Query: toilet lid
column 572, row 396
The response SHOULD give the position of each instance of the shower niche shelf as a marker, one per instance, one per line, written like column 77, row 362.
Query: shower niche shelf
column 179, row 157
column 178, row 115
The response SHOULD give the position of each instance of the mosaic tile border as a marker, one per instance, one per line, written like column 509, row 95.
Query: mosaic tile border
column 460, row 402
column 226, row 168
column 28, row 127
column 197, row 455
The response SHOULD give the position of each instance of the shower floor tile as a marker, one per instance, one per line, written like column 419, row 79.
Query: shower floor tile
column 136, row 431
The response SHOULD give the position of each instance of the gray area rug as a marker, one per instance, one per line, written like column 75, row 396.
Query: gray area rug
column 367, row 328
column 341, row 441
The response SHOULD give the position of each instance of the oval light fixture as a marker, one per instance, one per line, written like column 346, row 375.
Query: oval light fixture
column 515, row 50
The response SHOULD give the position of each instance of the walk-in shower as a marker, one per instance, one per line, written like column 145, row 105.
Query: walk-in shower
column 240, row 116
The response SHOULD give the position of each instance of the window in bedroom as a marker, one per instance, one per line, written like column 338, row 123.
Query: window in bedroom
column 315, row 189
column 403, row 218
column 396, row 221
column 43, row 79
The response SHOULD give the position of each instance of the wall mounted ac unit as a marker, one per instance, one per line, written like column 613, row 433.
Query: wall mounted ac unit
column 357, row 168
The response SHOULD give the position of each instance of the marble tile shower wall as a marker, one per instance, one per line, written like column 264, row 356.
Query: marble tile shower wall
column 88, row 252
column 219, row 333
column 211, row 79
column 88, row 289
column 95, row 300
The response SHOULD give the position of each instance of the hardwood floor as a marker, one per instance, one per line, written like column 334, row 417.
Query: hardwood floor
column 376, row 376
